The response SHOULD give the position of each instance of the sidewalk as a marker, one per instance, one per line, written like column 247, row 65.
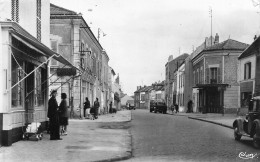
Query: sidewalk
column 107, row 138
column 225, row 120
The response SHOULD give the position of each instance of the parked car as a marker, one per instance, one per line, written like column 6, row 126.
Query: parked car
column 250, row 125
column 152, row 106
column 160, row 107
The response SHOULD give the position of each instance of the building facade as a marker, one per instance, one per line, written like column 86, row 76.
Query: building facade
column 72, row 37
column 215, row 83
column 247, row 75
column 25, row 56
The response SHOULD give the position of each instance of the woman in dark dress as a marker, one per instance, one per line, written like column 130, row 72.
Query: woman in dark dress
column 53, row 116
column 63, row 109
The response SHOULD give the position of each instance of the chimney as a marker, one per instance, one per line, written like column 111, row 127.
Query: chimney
column 255, row 37
column 216, row 39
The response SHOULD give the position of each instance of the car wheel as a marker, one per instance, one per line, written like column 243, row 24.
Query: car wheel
column 256, row 142
column 236, row 135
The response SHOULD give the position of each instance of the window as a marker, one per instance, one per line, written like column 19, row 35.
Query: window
column 201, row 75
column 39, row 92
column 38, row 19
column 17, row 75
column 213, row 75
column 247, row 71
column 158, row 96
column 194, row 78
column 54, row 47
column 15, row 10
column 198, row 75
column 142, row 97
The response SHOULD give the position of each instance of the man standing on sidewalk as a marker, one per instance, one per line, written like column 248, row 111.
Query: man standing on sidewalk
column 96, row 107
column 53, row 116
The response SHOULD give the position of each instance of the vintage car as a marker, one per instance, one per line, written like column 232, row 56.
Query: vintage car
column 160, row 107
column 152, row 106
column 250, row 125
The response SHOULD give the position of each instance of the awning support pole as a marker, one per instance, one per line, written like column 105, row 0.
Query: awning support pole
column 43, row 82
column 30, row 73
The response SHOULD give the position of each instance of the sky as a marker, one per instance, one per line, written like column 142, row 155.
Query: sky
column 142, row 34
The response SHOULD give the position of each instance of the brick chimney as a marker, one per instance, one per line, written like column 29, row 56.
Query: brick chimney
column 255, row 37
column 216, row 39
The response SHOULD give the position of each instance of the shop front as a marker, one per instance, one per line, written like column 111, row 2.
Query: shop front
column 210, row 98
column 24, row 85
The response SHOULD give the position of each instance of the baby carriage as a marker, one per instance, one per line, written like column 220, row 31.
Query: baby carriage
column 33, row 127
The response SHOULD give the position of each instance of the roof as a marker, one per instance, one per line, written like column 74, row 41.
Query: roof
column 56, row 10
column 229, row 44
column 250, row 49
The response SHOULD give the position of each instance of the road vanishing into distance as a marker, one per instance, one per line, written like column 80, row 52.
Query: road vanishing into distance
column 165, row 137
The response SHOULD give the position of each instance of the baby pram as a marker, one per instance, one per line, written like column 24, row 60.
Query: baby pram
column 33, row 127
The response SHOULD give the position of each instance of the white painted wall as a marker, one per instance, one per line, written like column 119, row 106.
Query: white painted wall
column 27, row 17
column 242, row 62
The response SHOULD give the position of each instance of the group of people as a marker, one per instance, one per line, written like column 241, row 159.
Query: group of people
column 58, row 116
column 88, row 110
column 175, row 107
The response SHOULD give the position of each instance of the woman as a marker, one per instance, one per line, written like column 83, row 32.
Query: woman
column 86, row 108
column 53, row 116
column 63, row 108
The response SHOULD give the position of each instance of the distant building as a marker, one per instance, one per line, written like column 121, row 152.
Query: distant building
column 170, row 69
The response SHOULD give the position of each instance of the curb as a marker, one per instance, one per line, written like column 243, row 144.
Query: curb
column 117, row 158
column 224, row 125
column 130, row 153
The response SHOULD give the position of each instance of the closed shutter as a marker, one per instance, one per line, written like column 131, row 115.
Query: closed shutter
column 219, row 75
column 207, row 75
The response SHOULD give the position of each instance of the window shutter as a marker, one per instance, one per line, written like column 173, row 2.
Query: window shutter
column 207, row 75
column 219, row 75
column 244, row 71
column 249, row 70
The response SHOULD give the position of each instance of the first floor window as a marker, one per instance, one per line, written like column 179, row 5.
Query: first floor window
column 39, row 91
column 17, row 75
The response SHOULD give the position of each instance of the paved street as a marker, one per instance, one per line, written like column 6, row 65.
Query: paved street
column 159, row 137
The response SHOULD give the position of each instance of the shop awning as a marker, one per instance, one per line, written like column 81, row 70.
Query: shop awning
column 22, row 35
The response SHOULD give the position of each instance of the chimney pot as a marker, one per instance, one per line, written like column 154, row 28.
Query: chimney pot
column 255, row 37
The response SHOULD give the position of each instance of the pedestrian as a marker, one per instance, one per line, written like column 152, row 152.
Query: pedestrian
column 176, row 107
column 172, row 108
column 53, row 116
column 110, row 107
column 63, row 110
column 96, row 107
column 86, row 108
column 189, row 107
column 128, row 106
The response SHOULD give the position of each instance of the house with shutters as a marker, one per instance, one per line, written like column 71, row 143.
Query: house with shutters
column 215, row 74
column 71, row 36
column 248, row 76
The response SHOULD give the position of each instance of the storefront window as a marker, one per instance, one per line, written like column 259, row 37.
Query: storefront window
column 38, row 89
column 17, row 75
